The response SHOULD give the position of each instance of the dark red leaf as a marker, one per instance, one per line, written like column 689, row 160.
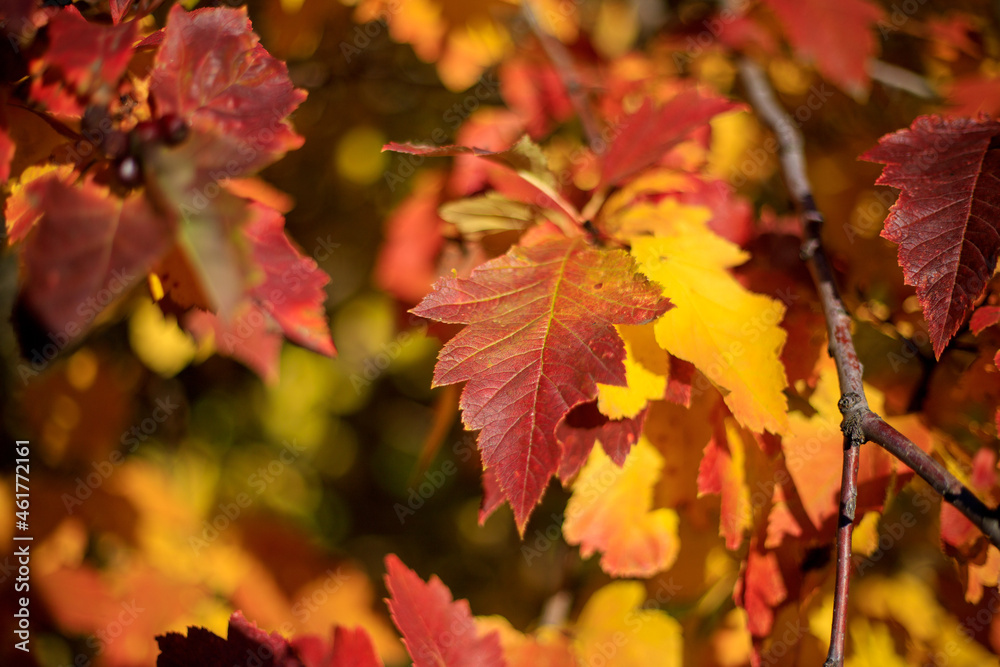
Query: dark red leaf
column 645, row 136
column 679, row 383
column 212, row 72
column 437, row 631
column 245, row 644
column 86, row 249
column 584, row 425
column 540, row 336
column 947, row 218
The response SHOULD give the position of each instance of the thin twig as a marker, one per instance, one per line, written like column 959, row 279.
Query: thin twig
column 561, row 60
column 860, row 424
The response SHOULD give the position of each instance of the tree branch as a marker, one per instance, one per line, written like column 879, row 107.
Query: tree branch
column 860, row 424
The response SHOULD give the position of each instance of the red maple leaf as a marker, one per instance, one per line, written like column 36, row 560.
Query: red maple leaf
column 212, row 72
column 540, row 336
column 946, row 218
column 836, row 35
column 646, row 136
column 437, row 631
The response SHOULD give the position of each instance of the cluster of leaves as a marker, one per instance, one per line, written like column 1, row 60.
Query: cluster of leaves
column 616, row 289
column 438, row 630
column 143, row 175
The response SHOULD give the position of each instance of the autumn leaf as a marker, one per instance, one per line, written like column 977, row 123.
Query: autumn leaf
column 611, row 511
column 407, row 262
column 292, row 287
column 540, row 337
column 351, row 648
column 584, row 425
column 201, row 647
column 523, row 173
column 288, row 299
column 946, row 218
column 645, row 136
column 616, row 619
column 83, row 63
column 234, row 88
column 760, row 588
column 730, row 334
column 437, row 631
column 909, row 602
column 119, row 8
column 838, row 37
column 86, row 249
column 250, row 337
column 643, row 385
column 723, row 472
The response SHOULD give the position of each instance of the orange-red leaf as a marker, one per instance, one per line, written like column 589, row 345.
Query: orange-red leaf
column 947, row 218
column 352, row 647
column 82, row 64
column 645, row 136
column 540, row 337
column 837, row 36
column 292, row 288
column 437, row 631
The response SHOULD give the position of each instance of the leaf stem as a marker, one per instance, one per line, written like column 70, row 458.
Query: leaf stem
column 860, row 424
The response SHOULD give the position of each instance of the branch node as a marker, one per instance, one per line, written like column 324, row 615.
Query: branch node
column 853, row 407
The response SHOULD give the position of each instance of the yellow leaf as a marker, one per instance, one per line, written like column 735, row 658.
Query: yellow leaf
column 934, row 633
column 613, row 631
column 873, row 646
column 158, row 341
column 642, row 386
column 734, row 134
column 729, row 333
column 609, row 511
